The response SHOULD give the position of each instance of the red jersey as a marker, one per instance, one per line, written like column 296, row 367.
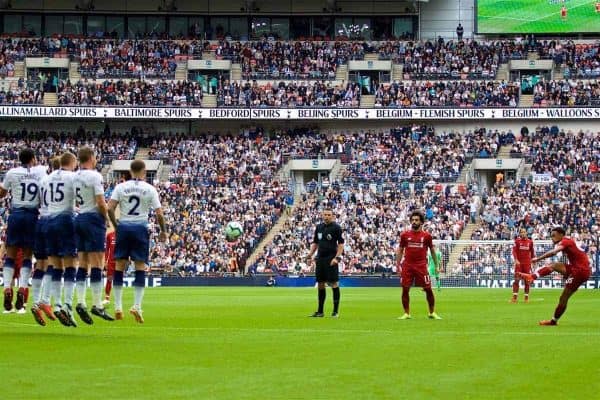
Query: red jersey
column 109, row 254
column 523, row 250
column 577, row 257
column 415, row 245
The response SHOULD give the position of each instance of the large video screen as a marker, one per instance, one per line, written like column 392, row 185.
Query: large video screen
column 538, row 16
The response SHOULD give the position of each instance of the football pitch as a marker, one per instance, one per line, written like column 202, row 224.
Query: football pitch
column 258, row 343
column 536, row 16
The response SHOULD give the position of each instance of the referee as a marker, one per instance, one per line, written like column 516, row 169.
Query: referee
column 329, row 245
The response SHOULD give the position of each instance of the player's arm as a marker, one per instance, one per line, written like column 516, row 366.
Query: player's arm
column 549, row 254
column 399, row 256
column 515, row 254
column 160, row 217
column 5, row 185
column 532, row 250
column 112, row 206
column 436, row 260
column 313, row 246
column 100, row 201
column 340, row 247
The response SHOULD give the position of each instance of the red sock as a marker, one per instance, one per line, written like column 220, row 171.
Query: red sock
column 108, row 287
column 543, row 271
column 527, row 289
column 406, row 300
column 26, row 292
column 515, row 287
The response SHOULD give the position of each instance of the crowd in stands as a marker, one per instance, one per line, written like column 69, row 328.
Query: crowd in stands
column 19, row 96
column 288, row 94
column 417, row 154
column 128, row 59
column 215, row 179
column 447, row 94
column 371, row 219
column 132, row 93
column 564, row 155
column 566, row 93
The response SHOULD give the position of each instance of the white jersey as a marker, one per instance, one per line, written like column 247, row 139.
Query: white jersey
column 43, row 196
column 88, row 184
column 136, row 198
column 60, row 192
column 23, row 184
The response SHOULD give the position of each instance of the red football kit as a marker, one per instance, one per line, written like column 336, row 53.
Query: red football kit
column 523, row 252
column 416, row 244
column 578, row 268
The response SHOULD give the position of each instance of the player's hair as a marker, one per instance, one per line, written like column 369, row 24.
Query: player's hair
column 67, row 158
column 418, row 214
column 55, row 163
column 137, row 166
column 559, row 229
column 26, row 155
column 85, row 154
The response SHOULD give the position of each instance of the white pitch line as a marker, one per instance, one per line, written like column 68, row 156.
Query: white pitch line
column 535, row 330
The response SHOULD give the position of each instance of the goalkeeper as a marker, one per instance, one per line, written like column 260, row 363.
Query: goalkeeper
column 431, row 267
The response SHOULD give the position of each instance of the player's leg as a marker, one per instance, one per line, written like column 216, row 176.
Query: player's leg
column 333, row 279
column 118, row 287
column 139, row 284
column 423, row 279
column 515, row 285
column 526, row 269
column 24, row 276
column 36, row 285
column 96, row 260
column 140, row 253
column 574, row 279
column 123, row 249
column 110, row 272
column 543, row 271
column 321, row 277
column 406, row 279
column 8, row 273
column 81, row 286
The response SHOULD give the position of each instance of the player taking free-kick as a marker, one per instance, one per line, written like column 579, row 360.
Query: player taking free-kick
column 576, row 272
column 411, row 257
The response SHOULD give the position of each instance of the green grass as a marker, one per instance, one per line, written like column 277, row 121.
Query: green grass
column 536, row 16
column 257, row 343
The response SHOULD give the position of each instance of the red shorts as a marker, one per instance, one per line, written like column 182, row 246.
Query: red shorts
column 576, row 275
column 523, row 269
column 418, row 275
column 563, row 13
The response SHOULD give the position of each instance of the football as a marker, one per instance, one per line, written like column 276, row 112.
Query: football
column 233, row 231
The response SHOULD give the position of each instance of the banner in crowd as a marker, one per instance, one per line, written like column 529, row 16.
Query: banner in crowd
column 542, row 179
column 187, row 113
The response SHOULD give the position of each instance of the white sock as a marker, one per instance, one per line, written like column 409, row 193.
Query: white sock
column 81, row 289
column 69, row 292
column 97, row 293
column 7, row 275
column 36, row 288
column 57, row 293
column 46, row 289
column 24, row 277
column 118, row 296
column 138, row 295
